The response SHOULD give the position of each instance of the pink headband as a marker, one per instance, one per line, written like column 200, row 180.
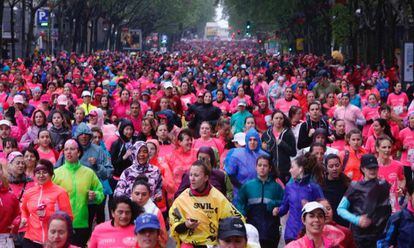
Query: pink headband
column 13, row 155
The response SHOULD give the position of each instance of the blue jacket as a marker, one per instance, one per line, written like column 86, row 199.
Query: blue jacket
column 295, row 193
column 240, row 164
column 103, row 167
column 256, row 202
column 399, row 231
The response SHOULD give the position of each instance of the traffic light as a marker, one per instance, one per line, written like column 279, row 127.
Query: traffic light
column 248, row 25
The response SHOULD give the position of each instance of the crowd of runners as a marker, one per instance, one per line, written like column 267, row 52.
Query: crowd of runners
column 216, row 144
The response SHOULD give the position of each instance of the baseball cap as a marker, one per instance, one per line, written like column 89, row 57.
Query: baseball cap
column 18, row 99
column 98, row 91
column 369, row 161
column 240, row 138
column 241, row 103
column 86, row 93
column 5, row 122
column 146, row 221
column 167, row 85
column 200, row 93
column 145, row 92
column 62, row 100
column 45, row 98
column 311, row 206
column 230, row 227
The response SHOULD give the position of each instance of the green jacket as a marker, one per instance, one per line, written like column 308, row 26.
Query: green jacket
column 78, row 180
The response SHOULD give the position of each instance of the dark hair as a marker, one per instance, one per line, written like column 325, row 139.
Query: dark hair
column 43, row 115
column 31, row 149
column 274, row 172
column 311, row 167
column 387, row 129
column 135, row 210
column 314, row 103
column 384, row 107
column 342, row 177
column 286, row 121
column 50, row 136
column 293, row 110
column 317, row 144
column 64, row 123
column 184, row 132
column 135, row 102
column 11, row 140
column 97, row 129
column 330, row 157
column 208, row 150
column 410, row 187
column 200, row 163
column 48, row 164
column 142, row 180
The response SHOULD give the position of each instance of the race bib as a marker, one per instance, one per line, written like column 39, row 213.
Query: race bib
column 398, row 110
column 410, row 155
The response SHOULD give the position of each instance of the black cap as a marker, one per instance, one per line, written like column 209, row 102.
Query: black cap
column 200, row 81
column 213, row 75
column 231, row 227
column 369, row 161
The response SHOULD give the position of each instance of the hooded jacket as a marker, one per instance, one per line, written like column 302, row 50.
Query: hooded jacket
column 9, row 209
column 59, row 137
column 78, row 180
column 282, row 151
column 127, row 179
column 240, row 165
column 179, row 162
column 260, row 115
column 54, row 198
column 203, row 112
column 295, row 192
column 103, row 167
column 119, row 148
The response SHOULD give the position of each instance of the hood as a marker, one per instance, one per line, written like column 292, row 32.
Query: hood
column 170, row 118
column 157, row 146
column 100, row 114
column 135, row 150
column 266, row 101
column 125, row 123
column 253, row 133
column 83, row 129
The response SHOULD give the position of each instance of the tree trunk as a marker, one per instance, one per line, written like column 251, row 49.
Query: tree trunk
column 1, row 27
column 30, row 35
column 23, row 31
column 12, row 33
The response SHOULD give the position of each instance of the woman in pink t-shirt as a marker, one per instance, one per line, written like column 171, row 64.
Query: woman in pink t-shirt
column 380, row 127
column 240, row 96
column 166, row 147
column 398, row 101
column 206, row 139
column 370, row 112
column 406, row 138
column 390, row 170
column 119, row 231
column 44, row 147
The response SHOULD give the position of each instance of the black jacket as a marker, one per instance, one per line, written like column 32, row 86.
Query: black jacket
column 280, row 153
column 304, row 140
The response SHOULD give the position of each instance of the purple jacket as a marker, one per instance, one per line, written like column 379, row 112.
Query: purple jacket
column 295, row 192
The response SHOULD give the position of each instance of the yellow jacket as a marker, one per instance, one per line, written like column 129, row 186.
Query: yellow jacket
column 207, row 210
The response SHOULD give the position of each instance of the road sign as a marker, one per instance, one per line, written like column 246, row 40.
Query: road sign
column 43, row 17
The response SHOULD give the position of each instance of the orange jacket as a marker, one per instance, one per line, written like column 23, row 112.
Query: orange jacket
column 50, row 195
column 354, row 161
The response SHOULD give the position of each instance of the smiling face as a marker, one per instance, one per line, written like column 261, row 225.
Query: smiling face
column 314, row 222
column 186, row 143
column 143, row 155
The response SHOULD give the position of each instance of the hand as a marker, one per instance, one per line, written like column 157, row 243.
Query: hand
column 364, row 221
column 311, row 132
column 275, row 211
column 36, row 141
column 191, row 223
column 91, row 195
column 92, row 160
column 332, row 137
column 23, row 222
column 127, row 154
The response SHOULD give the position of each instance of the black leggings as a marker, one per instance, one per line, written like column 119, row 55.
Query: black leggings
column 80, row 236
column 27, row 243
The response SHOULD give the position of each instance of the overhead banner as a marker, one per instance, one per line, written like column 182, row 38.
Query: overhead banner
column 131, row 39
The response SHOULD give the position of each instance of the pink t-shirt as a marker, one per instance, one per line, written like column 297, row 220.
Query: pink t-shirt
column 284, row 105
column 370, row 113
column 224, row 106
column 47, row 155
column 398, row 103
column 370, row 144
column 392, row 173
column 212, row 142
column 407, row 139
column 107, row 236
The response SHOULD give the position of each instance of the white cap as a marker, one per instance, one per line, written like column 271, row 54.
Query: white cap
column 240, row 138
column 86, row 93
column 310, row 206
column 62, row 100
column 5, row 122
column 242, row 103
column 168, row 84
column 252, row 236
column 18, row 99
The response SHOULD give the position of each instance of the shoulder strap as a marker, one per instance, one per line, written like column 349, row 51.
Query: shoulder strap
column 346, row 158
column 22, row 192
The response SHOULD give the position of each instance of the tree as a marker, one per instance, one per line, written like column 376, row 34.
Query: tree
column 32, row 7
